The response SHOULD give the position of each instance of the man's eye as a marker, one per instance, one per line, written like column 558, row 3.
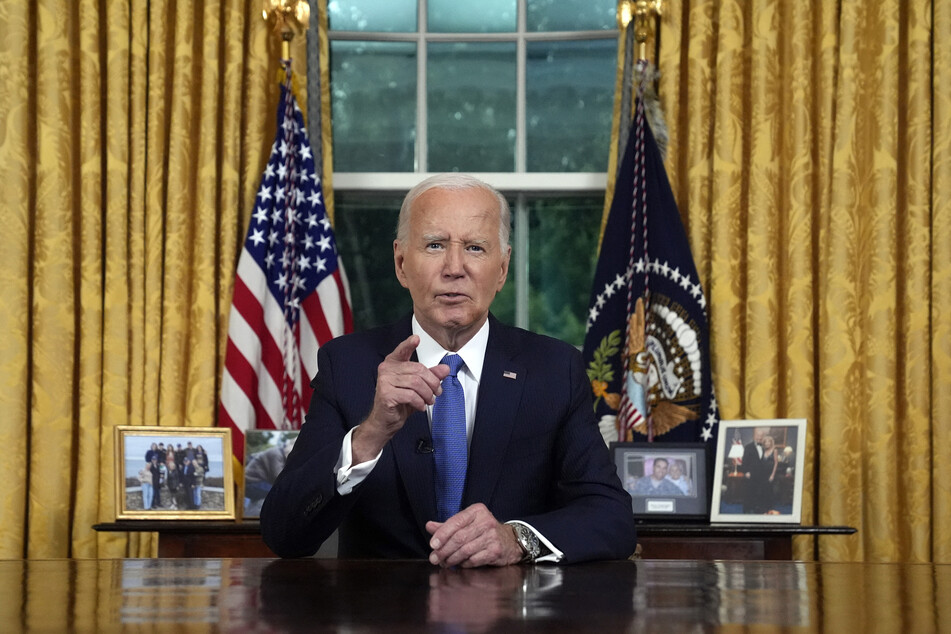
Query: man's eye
column 434, row 245
column 476, row 248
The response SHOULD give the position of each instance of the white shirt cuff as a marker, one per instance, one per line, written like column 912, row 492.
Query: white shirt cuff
column 554, row 555
column 348, row 474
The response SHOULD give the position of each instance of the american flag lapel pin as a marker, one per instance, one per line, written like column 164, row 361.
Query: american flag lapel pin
column 508, row 374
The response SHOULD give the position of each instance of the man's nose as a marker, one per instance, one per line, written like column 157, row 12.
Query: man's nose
column 454, row 261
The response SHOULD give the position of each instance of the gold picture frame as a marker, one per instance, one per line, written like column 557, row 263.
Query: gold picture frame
column 200, row 485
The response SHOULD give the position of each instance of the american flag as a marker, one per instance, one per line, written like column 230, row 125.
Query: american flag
column 290, row 293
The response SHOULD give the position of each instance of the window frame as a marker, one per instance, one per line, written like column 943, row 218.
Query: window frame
column 517, row 185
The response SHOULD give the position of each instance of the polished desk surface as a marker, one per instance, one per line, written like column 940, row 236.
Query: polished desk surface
column 326, row 595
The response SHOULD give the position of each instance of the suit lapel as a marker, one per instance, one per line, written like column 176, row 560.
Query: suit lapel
column 416, row 468
column 500, row 391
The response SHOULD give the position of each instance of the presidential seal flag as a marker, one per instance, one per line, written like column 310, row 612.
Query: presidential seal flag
column 646, row 346
column 290, row 293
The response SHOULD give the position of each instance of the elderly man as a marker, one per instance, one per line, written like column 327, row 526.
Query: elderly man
column 449, row 435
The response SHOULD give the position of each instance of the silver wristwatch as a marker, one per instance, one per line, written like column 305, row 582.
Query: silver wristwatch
column 528, row 540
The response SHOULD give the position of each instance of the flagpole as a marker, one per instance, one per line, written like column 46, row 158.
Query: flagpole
column 644, row 13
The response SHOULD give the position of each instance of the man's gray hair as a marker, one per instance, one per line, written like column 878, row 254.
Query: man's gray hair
column 453, row 181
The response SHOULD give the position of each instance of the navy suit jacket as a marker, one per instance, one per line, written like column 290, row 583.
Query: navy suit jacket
column 535, row 455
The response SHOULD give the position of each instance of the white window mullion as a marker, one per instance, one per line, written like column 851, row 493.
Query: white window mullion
column 521, row 261
column 422, row 115
column 521, row 130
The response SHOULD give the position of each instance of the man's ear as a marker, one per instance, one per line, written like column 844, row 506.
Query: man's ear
column 504, row 272
column 398, row 259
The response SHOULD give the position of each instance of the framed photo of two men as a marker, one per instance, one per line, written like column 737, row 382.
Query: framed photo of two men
column 665, row 480
column 173, row 473
column 759, row 471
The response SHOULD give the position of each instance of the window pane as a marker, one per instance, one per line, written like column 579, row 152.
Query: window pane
column 571, row 15
column 471, row 107
column 389, row 16
column 484, row 16
column 569, row 104
column 563, row 242
column 365, row 226
column 373, row 95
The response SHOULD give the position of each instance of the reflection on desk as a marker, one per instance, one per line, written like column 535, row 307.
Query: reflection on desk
column 330, row 595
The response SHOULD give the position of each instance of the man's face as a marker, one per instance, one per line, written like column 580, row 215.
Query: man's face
column 660, row 469
column 452, row 262
column 758, row 435
column 675, row 471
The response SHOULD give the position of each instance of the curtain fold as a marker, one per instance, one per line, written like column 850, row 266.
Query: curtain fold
column 808, row 152
column 132, row 137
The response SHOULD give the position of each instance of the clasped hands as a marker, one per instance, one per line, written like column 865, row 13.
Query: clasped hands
column 470, row 538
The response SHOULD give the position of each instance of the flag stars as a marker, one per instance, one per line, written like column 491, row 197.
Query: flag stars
column 281, row 281
column 260, row 215
column 314, row 198
column 269, row 260
column 283, row 149
column 269, row 170
column 276, row 215
column 303, row 263
column 257, row 237
column 281, row 171
column 321, row 264
column 312, row 220
column 279, row 195
column 324, row 243
column 273, row 238
column 265, row 193
column 306, row 153
column 308, row 242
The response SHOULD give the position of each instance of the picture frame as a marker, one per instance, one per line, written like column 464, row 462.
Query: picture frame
column 265, row 451
column 756, row 489
column 683, row 494
column 200, row 485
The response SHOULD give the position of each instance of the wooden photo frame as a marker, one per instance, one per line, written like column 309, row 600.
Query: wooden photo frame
column 193, row 481
column 665, row 480
column 759, row 484
column 265, row 451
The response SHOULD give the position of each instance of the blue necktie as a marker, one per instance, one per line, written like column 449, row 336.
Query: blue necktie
column 449, row 441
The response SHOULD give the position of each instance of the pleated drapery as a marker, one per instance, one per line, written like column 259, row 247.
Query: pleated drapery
column 809, row 153
column 132, row 139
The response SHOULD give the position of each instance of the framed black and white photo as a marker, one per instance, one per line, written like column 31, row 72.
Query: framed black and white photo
column 665, row 480
column 265, row 451
column 759, row 471
column 173, row 473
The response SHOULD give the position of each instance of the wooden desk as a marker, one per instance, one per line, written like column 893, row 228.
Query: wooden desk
column 329, row 595
column 658, row 541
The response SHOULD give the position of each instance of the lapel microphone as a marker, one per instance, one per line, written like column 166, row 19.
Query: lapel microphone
column 424, row 445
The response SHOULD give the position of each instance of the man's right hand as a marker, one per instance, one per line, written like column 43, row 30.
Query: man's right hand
column 402, row 387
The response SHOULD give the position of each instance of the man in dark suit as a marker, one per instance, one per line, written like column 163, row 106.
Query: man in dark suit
column 755, row 472
column 539, row 482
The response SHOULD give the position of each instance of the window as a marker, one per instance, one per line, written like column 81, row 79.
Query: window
column 518, row 92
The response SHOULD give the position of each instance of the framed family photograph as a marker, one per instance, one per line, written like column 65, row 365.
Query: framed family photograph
column 174, row 473
column 759, row 471
column 665, row 480
column 265, row 451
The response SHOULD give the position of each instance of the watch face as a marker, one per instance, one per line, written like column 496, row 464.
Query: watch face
column 528, row 539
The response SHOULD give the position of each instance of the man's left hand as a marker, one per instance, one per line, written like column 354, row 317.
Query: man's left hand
column 471, row 538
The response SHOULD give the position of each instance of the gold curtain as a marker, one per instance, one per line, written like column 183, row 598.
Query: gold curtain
column 810, row 154
column 132, row 139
